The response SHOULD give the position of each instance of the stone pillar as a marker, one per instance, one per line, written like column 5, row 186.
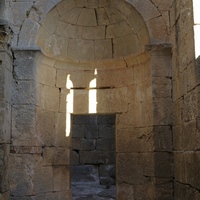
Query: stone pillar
column 5, row 109
column 162, row 119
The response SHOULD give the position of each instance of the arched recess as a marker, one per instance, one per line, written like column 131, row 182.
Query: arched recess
column 94, row 60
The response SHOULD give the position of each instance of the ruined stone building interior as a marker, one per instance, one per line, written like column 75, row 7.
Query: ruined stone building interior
column 99, row 100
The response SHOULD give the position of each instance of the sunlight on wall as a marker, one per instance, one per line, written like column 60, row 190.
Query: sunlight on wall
column 69, row 107
column 196, row 9
column 93, row 95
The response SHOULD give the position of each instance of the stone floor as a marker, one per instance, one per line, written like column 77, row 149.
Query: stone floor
column 93, row 191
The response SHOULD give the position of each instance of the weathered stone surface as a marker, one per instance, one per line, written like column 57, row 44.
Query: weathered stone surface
column 162, row 111
column 97, row 157
column 163, row 138
column 162, row 87
column 5, row 122
column 91, row 130
column 142, row 138
column 129, row 167
column 45, row 126
column 61, row 178
column 83, row 144
column 125, row 191
column 24, row 126
column 51, row 98
column 185, row 165
column 22, row 181
column 105, row 144
column 164, row 188
column 56, row 156
column 183, row 191
column 24, row 92
column 87, row 17
column 24, row 66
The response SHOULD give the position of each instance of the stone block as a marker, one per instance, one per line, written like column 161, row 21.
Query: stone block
column 24, row 92
column 115, row 78
column 61, row 178
column 87, row 17
column 186, row 136
column 102, row 18
column 158, row 30
column 112, row 100
column 45, row 126
column 24, row 66
column 108, row 119
column 162, row 138
column 56, row 156
column 78, row 78
column 142, row 138
column 164, row 188
column 24, row 126
column 75, row 158
column 125, row 191
column 118, row 30
column 51, row 98
column 184, row 191
column 161, row 65
column 83, row 144
column 97, row 157
column 42, row 181
column 103, row 49
column 19, row 11
column 72, row 15
column 65, row 6
column 113, row 15
column 190, row 105
column 91, row 131
column 133, row 168
column 22, row 178
column 106, row 131
column 5, row 121
column 124, row 48
column 78, row 119
column 93, row 32
column 148, row 10
column 105, row 144
column 28, row 33
column 185, row 166
column 162, row 87
column 50, row 21
column 45, row 74
column 162, row 111
column 80, row 49
column 163, row 164
column 78, row 131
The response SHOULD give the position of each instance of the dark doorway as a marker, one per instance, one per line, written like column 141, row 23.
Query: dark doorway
column 93, row 157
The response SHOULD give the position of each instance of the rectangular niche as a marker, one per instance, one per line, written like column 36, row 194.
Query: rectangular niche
column 93, row 157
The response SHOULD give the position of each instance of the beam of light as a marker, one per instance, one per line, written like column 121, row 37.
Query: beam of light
column 93, row 95
column 196, row 10
column 69, row 106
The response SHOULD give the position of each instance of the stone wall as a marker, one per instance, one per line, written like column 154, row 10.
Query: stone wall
column 97, row 67
column 185, row 103
column 93, row 156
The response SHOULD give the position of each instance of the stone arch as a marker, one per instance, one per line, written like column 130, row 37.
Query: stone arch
column 154, row 13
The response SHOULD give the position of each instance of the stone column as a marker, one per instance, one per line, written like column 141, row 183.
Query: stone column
column 162, row 119
column 5, row 109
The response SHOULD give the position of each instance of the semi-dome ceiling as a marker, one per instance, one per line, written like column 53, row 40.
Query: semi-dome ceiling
column 92, row 30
